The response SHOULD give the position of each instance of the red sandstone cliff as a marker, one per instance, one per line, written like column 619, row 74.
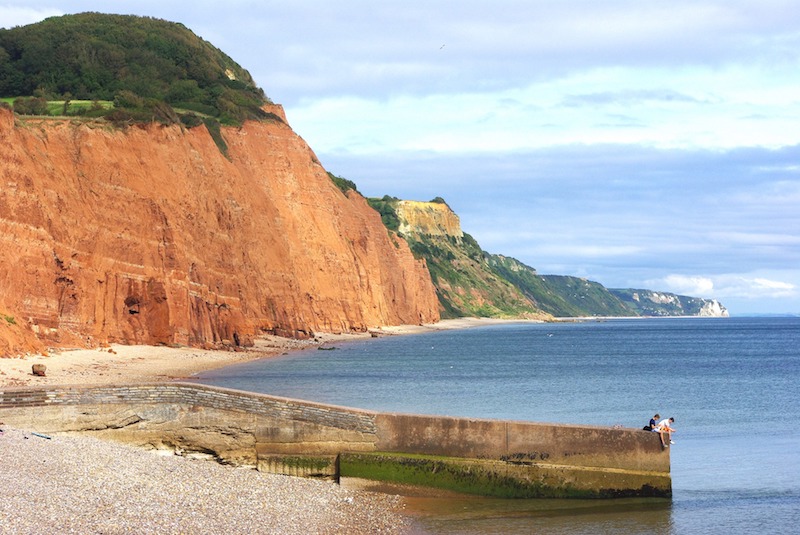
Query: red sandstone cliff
column 150, row 235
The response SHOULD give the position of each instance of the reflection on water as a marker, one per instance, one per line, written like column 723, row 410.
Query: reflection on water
column 449, row 513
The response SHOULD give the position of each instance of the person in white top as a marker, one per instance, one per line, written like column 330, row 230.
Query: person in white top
column 664, row 427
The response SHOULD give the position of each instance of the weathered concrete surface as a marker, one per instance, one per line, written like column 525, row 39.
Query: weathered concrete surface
column 521, row 459
column 316, row 466
column 226, row 435
column 504, row 479
column 492, row 457
column 521, row 442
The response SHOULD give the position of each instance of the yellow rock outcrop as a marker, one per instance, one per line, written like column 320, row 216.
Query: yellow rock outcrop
column 428, row 218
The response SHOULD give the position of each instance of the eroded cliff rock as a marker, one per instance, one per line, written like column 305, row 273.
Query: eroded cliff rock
column 466, row 282
column 652, row 303
column 150, row 235
column 428, row 218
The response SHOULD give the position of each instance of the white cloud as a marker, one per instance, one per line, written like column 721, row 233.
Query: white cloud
column 11, row 16
column 754, row 288
column 690, row 107
column 778, row 193
column 687, row 285
column 775, row 288
column 756, row 238
column 581, row 250
column 722, row 286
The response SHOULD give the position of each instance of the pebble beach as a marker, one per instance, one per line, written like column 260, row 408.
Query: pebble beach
column 82, row 485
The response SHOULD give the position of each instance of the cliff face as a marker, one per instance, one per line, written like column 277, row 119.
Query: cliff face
column 466, row 281
column 150, row 235
column 713, row 309
column 428, row 218
column 471, row 282
column 651, row 303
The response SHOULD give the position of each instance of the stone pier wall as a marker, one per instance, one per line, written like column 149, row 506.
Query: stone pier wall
column 294, row 437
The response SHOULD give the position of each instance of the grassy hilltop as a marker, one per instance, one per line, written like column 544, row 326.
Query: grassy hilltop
column 123, row 68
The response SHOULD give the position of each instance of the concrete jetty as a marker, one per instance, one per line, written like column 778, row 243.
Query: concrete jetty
column 503, row 458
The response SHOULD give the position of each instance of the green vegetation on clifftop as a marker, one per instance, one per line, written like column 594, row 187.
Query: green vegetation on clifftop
column 386, row 206
column 466, row 285
column 471, row 282
column 343, row 184
column 150, row 69
column 560, row 295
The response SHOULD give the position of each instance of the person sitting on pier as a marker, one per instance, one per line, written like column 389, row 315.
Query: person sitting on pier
column 664, row 427
column 651, row 426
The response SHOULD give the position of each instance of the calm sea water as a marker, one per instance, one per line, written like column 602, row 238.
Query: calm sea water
column 732, row 385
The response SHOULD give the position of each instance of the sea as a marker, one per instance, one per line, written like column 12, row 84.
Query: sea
column 732, row 385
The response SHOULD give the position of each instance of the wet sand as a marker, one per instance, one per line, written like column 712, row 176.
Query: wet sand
column 120, row 364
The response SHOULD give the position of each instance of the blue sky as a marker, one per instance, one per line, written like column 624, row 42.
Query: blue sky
column 638, row 144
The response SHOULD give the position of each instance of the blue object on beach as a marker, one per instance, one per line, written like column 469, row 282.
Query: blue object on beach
column 42, row 436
